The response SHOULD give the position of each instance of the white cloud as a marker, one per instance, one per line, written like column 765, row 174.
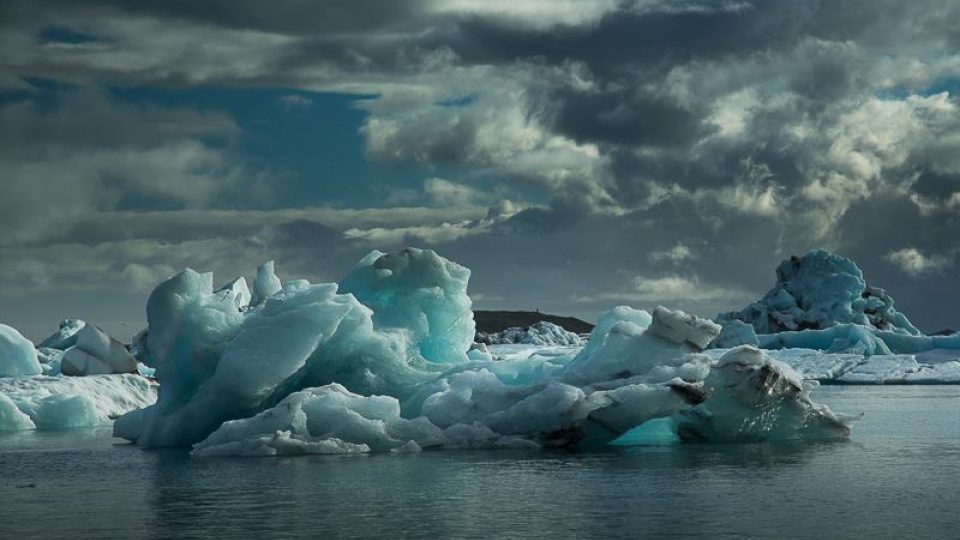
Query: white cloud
column 677, row 254
column 915, row 263
column 670, row 288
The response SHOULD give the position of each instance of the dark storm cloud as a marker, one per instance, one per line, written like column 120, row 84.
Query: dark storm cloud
column 655, row 150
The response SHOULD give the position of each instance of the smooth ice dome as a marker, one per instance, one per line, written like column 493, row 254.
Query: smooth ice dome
column 96, row 353
column 817, row 291
column 18, row 357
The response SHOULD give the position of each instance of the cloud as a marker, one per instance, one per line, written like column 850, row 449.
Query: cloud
column 915, row 263
column 85, row 154
column 617, row 130
column 291, row 102
column 677, row 254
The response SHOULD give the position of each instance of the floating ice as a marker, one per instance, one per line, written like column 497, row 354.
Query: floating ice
column 477, row 406
column 217, row 362
column 96, row 353
column 17, row 354
column 65, row 337
column 622, row 345
column 44, row 402
column 541, row 333
column 264, row 286
column 734, row 333
column 753, row 397
column 381, row 363
column 820, row 290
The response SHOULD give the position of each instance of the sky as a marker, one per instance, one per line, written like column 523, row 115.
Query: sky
column 575, row 155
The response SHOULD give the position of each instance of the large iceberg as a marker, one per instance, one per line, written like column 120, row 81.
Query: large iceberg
column 380, row 363
column 218, row 361
column 817, row 291
column 821, row 302
column 488, row 405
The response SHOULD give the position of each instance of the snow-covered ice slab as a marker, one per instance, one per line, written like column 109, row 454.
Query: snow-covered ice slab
column 42, row 402
column 816, row 365
column 938, row 366
column 901, row 369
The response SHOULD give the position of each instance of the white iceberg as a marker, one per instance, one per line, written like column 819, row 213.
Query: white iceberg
column 18, row 357
column 44, row 402
column 96, row 353
column 753, row 397
column 381, row 363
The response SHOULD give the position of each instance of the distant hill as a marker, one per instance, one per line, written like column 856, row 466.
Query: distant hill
column 946, row 332
column 497, row 321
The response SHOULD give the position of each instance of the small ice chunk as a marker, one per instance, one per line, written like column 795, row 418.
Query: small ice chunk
column 238, row 291
column 680, row 328
column 735, row 333
column 266, row 285
column 65, row 337
column 96, row 353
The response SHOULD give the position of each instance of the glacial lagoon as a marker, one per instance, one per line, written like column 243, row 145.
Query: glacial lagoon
column 897, row 476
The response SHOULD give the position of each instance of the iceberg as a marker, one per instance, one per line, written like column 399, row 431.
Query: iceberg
column 821, row 301
column 96, row 353
column 44, row 402
column 65, row 337
column 486, row 406
column 735, row 332
column 385, row 361
column 753, row 397
column 217, row 361
column 628, row 342
column 18, row 357
column 541, row 333
column 818, row 291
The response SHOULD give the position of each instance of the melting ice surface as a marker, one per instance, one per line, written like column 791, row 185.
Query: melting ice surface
column 380, row 363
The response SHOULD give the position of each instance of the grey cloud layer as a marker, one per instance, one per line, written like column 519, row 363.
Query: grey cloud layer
column 743, row 131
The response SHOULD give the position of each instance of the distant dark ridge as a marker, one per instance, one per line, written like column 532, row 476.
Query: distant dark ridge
column 498, row 321
column 946, row 332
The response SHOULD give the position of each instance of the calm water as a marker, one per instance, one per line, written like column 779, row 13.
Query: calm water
column 898, row 477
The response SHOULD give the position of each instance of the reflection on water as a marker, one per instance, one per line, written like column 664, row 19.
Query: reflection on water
column 897, row 477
